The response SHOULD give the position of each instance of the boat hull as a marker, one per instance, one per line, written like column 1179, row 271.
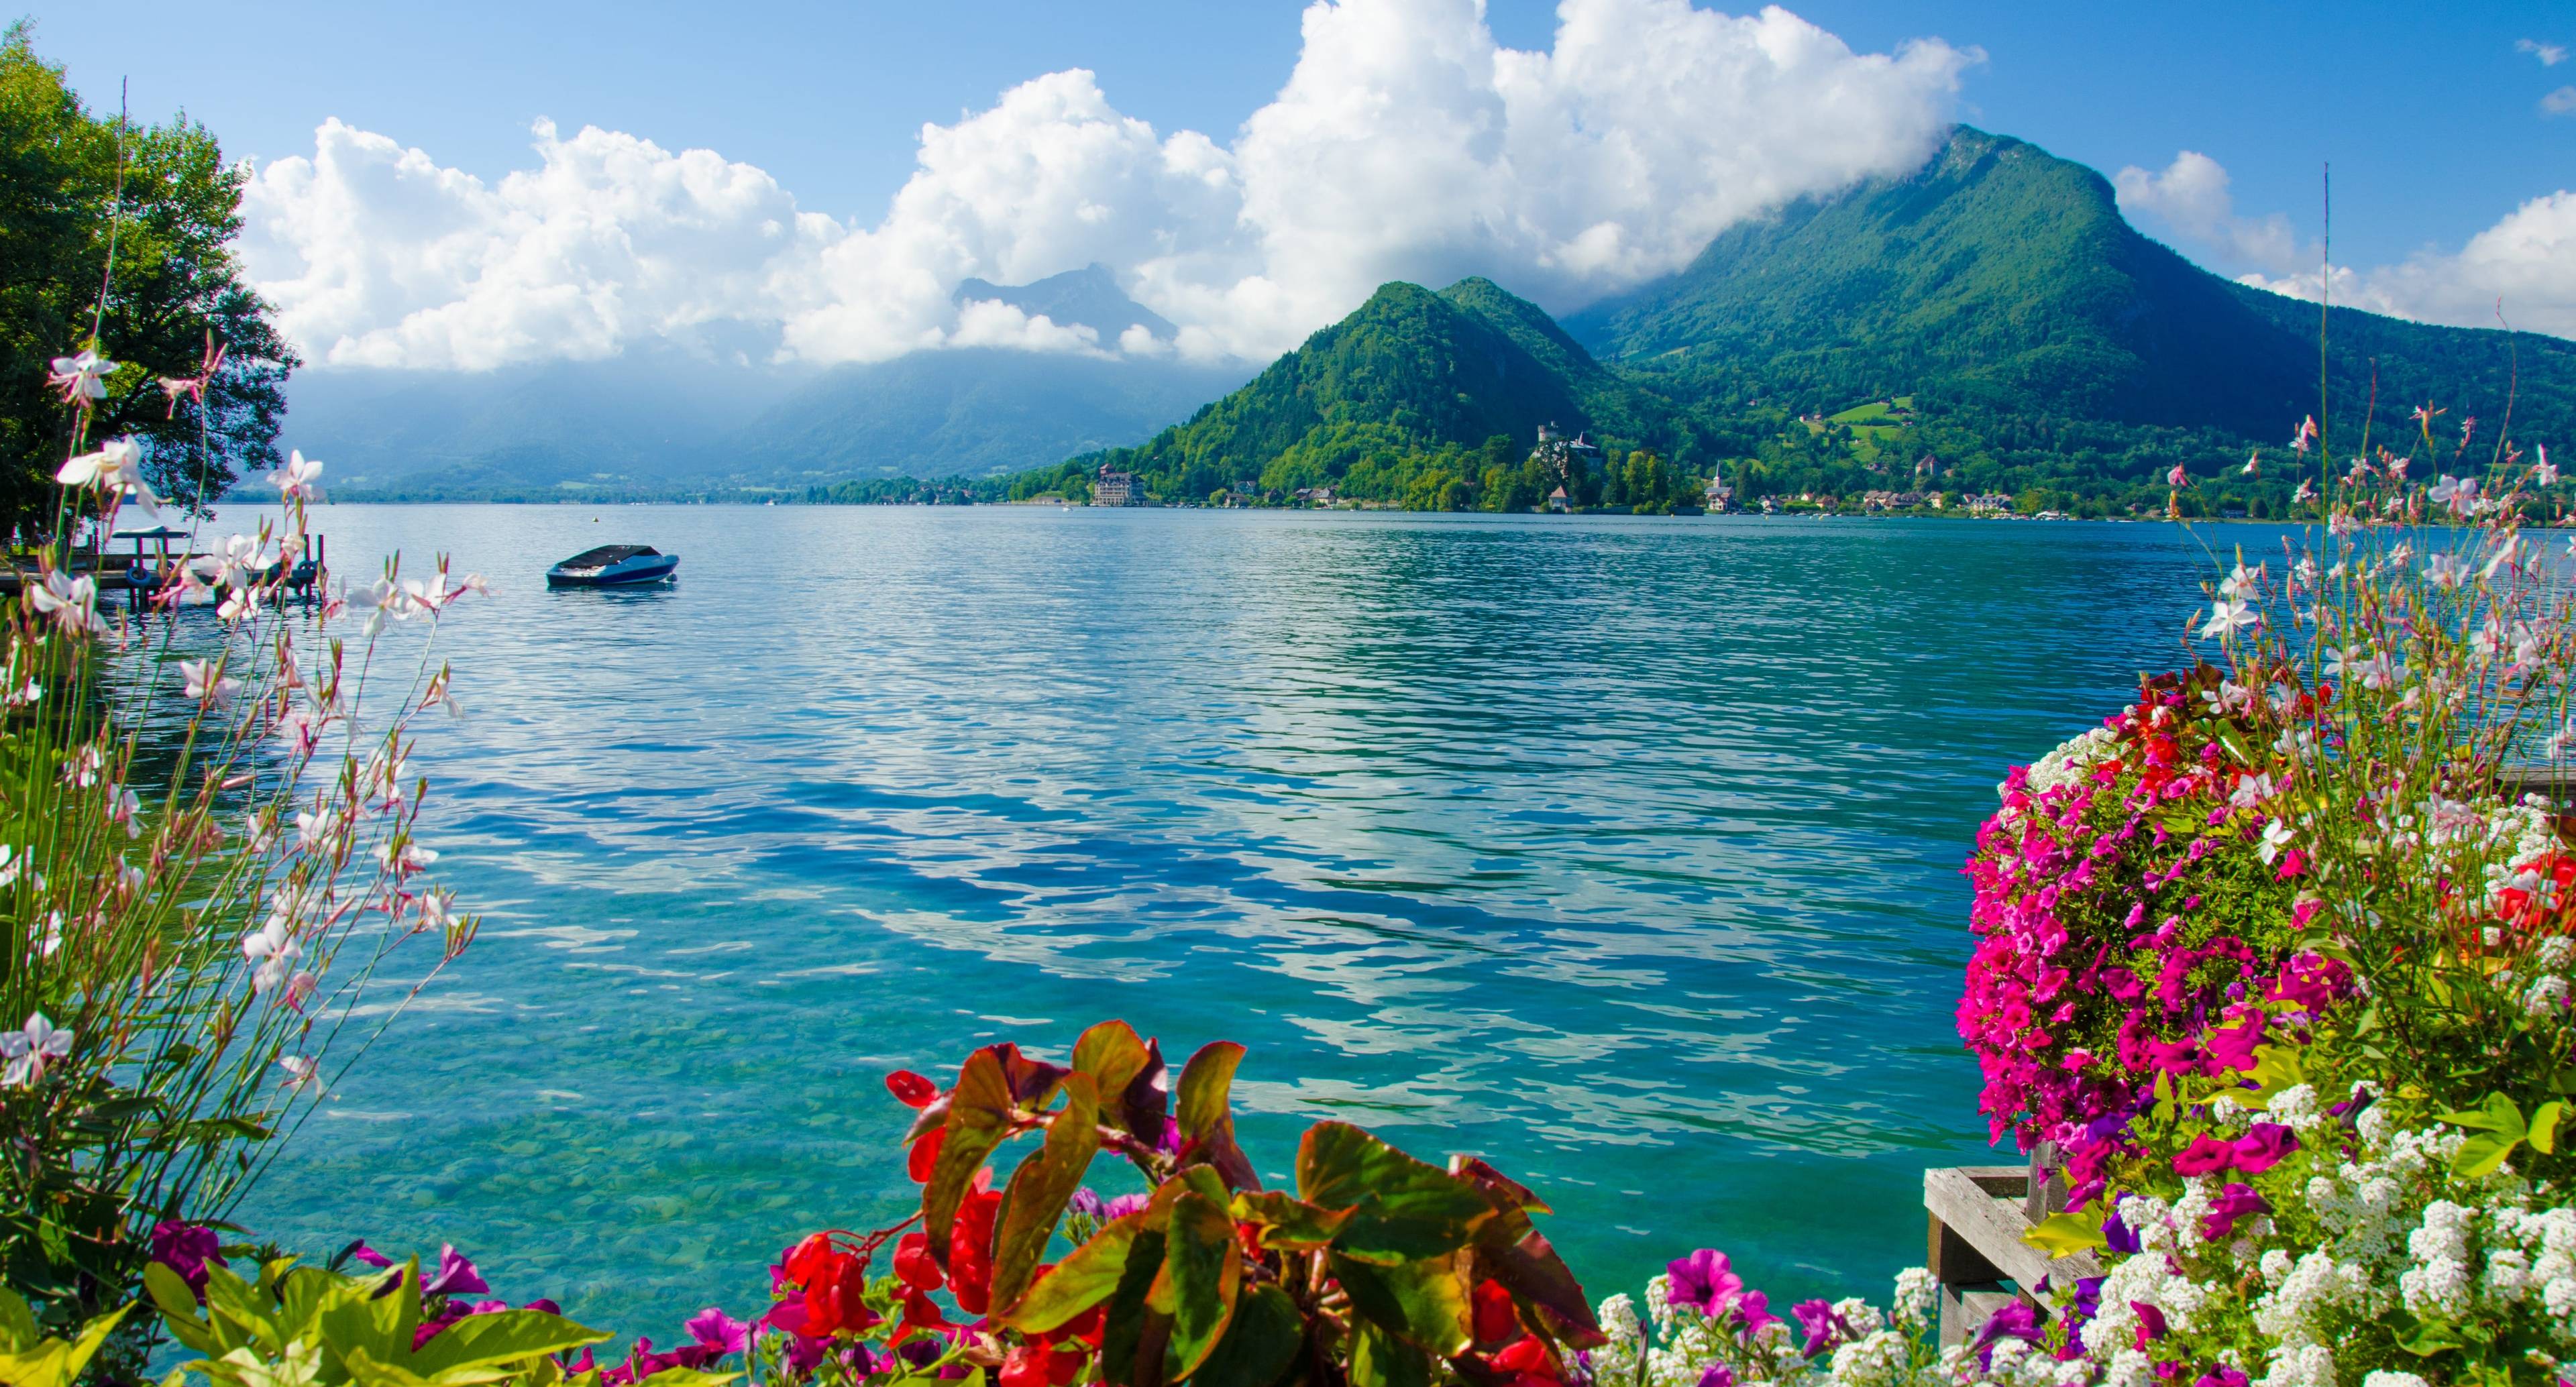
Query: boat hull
column 629, row 573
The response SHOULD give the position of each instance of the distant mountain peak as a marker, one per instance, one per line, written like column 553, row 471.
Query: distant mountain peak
column 1087, row 297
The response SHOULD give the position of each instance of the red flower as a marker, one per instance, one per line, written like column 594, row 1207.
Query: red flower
column 925, row 1155
column 970, row 1246
column 912, row 1262
column 910, row 1089
column 1529, row 1363
column 1495, row 1318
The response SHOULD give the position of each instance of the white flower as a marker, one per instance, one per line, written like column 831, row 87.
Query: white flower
column 272, row 946
column 2381, row 1377
column 206, row 683
column 30, row 1048
column 2226, row 617
column 2446, row 572
column 296, row 479
column 71, row 602
column 2547, row 472
column 117, row 465
column 50, row 942
column 81, row 377
column 2242, row 583
column 299, row 1070
column 2459, row 493
column 2506, row 555
column 2276, row 836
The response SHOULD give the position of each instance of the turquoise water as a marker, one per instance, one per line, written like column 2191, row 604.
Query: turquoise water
column 1622, row 852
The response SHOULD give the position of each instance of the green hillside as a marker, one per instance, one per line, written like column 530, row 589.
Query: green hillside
column 1988, row 323
column 1415, row 397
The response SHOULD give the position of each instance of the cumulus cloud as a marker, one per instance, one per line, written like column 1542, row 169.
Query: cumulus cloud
column 2549, row 54
column 2523, row 267
column 2191, row 199
column 2559, row 103
column 1406, row 144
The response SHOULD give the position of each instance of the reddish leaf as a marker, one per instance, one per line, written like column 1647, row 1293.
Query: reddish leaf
column 910, row 1089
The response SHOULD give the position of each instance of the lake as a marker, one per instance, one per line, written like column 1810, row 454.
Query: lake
column 1621, row 851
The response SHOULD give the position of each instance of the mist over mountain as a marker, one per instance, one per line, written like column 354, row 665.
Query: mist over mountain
column 673, row 421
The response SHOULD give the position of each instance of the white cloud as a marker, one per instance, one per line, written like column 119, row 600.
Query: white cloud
column 2523, row 266
column 2191, row 199
column 2559, row 103
column 2549, row 54
column 1406, row 144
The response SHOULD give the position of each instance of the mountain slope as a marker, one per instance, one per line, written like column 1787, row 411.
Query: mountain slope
column 1998, row 278
column 1471, row 372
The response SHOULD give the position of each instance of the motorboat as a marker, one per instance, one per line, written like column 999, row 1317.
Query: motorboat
column 613, row 566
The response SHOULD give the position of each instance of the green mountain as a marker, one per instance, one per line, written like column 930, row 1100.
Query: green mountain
column 1991, row 311
column 2001, row 288
column 1415, row 393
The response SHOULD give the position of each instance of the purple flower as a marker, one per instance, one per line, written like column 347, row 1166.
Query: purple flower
column 455, row 1275
column 2232, row 1203
column 2119, row 1236
column 2221, row 1376
column 1086, row 1202
column 1124, row 1205
column 2262, row 1148
column 1717, row 1375
column 359, row 1251
column 715, row 1329
column 1704, row 1282
column 185, row 1248
column 1823, row 1327
column 2014, row 1321
column 805, row 1352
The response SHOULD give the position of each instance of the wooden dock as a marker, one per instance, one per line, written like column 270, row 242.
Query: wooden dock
column 1978, row 1214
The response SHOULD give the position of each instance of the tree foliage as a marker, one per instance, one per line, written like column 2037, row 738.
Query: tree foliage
column 73, row 183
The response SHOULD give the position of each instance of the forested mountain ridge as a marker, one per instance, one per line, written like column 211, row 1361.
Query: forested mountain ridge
column 2043, row 347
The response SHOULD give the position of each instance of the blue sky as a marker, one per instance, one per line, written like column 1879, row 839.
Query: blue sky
column 2434, row 123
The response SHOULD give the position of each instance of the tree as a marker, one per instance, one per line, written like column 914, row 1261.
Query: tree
column 70, row 185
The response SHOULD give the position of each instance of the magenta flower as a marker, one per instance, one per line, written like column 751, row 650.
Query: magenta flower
column 1717, row 1375
column 185, row 1248
column 2151, row 1323
column 1755, row 1307
column 2232, row 1203
column 1824, row 1328
column 1124, row 1205
column 2221, row 1376
column 2262, row 1148
column 715, row 1329
column 359, row 1251
column 2204, row 1155
column 455, row 1274
column 1704, row 1282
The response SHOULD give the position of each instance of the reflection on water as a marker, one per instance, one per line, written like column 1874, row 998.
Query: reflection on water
column 1621, row 851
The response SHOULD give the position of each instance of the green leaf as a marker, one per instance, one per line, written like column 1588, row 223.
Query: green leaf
column 1405, row 1210
column 1123, row 1323
column 2481, row 1154
column 1206, row 1093
column 178, row 1307
column 2497, row 1114
column 979, row 1116
column 688, row 1377
column 1424, row 1302
column 1205, row 1113
column 1087, row 1276
column 2063, row 1235
column 18, row 1331
column 502, row 1337
column 1202, row 1274
column 2425, row 1338
column 1113, row 1055
column 2544, row 1127
column 1287, row 1221
column 1259, row 1346
column 1380, row 1359
column 1033, row 1203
